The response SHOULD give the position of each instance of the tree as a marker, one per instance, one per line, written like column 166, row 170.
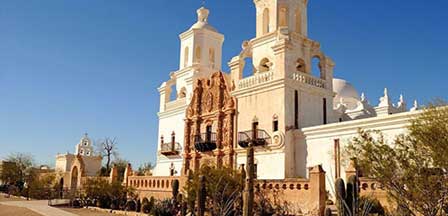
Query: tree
column 17, row 167
column 108, row 148
column 144, row 169
column 412, row 168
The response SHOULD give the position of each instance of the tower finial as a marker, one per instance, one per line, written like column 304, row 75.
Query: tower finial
column 203, row 14
column 203, row 3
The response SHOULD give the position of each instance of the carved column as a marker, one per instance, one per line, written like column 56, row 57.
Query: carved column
column 187, row 144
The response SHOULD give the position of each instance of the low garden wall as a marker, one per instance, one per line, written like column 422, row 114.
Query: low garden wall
column 159, row 187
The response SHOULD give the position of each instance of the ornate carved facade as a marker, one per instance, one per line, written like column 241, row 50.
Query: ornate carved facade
column 209, row 124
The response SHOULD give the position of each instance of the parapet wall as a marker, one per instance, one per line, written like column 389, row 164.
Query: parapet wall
column 371, row 188
column 159, row 187
column 308, row 195
column 298, row 194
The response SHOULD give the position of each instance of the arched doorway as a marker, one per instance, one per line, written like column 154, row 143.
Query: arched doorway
column 74, row 179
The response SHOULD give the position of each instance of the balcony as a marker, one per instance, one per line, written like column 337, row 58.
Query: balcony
column 205, row 142
column 170, row 149
column 262, row 138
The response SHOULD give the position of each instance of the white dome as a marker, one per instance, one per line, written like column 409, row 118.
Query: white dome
column 345, row 91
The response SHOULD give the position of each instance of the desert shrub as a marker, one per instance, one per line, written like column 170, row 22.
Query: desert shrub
column 372, row 205
column 76, row 203
column 107, row 195
column 223, row 186
column 147, row 205
column 164, row 208
column 131, row 205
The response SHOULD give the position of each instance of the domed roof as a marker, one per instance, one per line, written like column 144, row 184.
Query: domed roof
column 344, row 89
column 346, row 93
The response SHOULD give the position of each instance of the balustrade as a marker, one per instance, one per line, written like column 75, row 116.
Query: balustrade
column 308, row 79
column 256, row 79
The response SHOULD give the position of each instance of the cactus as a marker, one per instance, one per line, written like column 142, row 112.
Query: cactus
column 175, row 187
column 347, row 198
column 183, row 205
column 190, row 199
column 248, row 194
column 202, row 195
column 354, row 194
column 327, row 212
column 138, row 207
column 340, row 196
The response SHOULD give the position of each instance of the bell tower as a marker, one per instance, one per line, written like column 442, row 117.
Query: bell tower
column 200, row 57
column 286, row 92
column 273, row 15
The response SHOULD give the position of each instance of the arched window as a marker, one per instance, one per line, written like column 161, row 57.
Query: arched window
column 316, row 68
column 266, row 21
column 298, row 20
column 300, row 65
column 265, row 65
column 173, row 93
column 211, row 56
column 283, row 18
column 186, row 54
column 249, row 68
column 197, row 54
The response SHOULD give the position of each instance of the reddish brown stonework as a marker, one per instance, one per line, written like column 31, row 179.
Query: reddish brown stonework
column 209, row 119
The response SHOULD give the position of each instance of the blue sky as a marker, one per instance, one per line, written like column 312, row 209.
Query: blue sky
column 69, row 67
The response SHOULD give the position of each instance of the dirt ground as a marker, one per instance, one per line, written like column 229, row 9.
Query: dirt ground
column 12, row 210
column 86, row 212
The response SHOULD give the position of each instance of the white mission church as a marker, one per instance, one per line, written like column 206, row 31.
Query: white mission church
column 301, row 120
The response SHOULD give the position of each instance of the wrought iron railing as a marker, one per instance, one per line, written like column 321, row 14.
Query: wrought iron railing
column 205, row 142
column 262, row 138
column 170, row 148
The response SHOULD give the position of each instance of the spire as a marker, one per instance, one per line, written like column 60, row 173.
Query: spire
column 415, row 106
column 363, row 97
column 385, row 101
column 401, row 105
